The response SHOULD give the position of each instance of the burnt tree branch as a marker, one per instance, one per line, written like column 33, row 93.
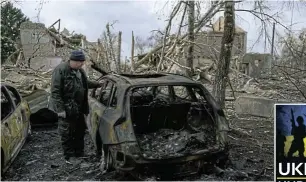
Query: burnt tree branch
column 209, row 14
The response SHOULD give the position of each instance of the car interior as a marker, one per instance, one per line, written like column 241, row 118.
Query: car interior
column 6, row 105
column 156, row 110
column 14, row 95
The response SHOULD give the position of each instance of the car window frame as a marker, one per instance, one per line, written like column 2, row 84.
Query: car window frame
column 13, row 108
column 111, row 90
column 114, row 89
column 93, row 91
column 189, row 92
column 14, row 91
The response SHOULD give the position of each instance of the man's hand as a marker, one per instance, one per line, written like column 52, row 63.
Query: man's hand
column 62, row 114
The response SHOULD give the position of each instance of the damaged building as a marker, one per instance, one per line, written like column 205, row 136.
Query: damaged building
column 256, row 65
column 43, row 49
column 208, row 46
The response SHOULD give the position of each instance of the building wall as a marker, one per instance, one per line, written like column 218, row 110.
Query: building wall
column 35, row 40
column 45, row 63
column 210, row 43
column 208, row 46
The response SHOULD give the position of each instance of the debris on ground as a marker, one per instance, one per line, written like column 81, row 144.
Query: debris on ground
column 167, row 143
column 250, row 156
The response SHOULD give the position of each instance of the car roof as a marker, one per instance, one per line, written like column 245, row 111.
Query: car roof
column 4, row 84
column 145, row 79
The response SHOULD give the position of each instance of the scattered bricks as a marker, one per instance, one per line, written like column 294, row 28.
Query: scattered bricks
column 256, row 106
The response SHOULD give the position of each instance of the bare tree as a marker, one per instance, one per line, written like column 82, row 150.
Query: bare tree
column 119, row 53
column 111, row 46
column 142, row 45
column 292, row 64
column 212, row 10
column 223, row 64
column 191, row 19
column 132, row 53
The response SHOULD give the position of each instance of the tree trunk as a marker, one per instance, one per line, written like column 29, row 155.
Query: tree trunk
column 223, row 64
column 111, row 47
column 189, row 61
column 119, row 53
column 132, row 53
column 107, row 56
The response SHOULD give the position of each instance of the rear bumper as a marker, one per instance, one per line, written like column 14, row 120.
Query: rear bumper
column 175, row 167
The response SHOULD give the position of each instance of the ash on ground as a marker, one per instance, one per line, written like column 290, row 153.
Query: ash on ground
column 166, row 143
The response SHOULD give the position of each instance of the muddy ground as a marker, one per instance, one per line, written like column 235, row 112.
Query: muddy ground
column 41, row 157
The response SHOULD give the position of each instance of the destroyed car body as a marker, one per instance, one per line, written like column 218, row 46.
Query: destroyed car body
column 15, row 124
column 156, row 124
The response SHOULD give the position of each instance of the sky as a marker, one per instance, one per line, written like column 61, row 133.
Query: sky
column 90, row 18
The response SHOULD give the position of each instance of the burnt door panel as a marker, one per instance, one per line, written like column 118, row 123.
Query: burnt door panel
column 110, row 116
column 21, row 124
column 8, row 124
column 98, row 105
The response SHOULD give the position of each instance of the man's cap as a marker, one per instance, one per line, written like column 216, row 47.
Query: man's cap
column 77, row 55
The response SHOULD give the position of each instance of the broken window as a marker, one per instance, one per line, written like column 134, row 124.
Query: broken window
column 6, row 104
column 199, row 94
column 165, row 115
column 96, row 92
column 106, row 93
column 162, row 92
column 14, row 95
column 181, row 93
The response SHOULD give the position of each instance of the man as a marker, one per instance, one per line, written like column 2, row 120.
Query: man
column 69, row 99
column 299, row 133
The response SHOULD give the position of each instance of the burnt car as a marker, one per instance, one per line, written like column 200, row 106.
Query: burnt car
column 15, row 124
column 161, row 124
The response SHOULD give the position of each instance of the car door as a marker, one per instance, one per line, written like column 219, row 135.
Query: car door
column 114, row 132
column 98, row 104
column 8, row 124
column 22, row 114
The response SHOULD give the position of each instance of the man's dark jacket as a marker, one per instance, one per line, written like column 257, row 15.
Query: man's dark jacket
column 63, row 90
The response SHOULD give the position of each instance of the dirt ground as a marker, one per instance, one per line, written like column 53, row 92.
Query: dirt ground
column 41, row 157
